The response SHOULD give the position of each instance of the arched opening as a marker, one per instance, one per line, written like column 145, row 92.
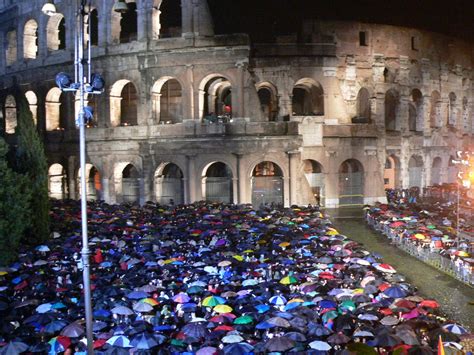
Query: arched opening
column 92, row 101
column 33, row 103
column 308, row 98
column 313, row 173
column 171, row 102
column 166, row 19
column 415, row 111
column 391, row 178
column 436, row 171
column 169, row 184
column 56, row 32
column 215, row 96
column 391, row 111
column 56, row 110
column 30, row 40
column 452, row 171
column 267, row 184
column 217, row 183
column 452, row 111
column 11, row 47
column 363, row 106
column 123, row 103
column 91, row 27
column 57, row 182
column 93, row 183
column 435, row 110
column 130, row 184
column 415, row 171
column 268, row 98
column 351, row 183
column 10, row 115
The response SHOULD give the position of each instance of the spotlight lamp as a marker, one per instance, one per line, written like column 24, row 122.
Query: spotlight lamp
column 97, row 84
column 120, row 6
column 49, row 8
column 65, row 83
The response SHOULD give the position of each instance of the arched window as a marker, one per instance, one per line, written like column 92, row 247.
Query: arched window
column 57, row 182
column 215, row 98
column 415, row 111
column 313, row 172
column 56, row 110
column 351, row 183
column 267, row 184
column 56, row 32
column 391, row 110
column 130, row 184
column 10, row 115
column 436, row 171
column 33, row 103
column 391, row 175
column 217, row 183
column 129, row 24
column 267, row 96
column 93, row 183
column 308, row 98
column 11, row 45
column 91, row 27
column 169, row 184
column 465, row 114
column 415, row 171
column 166, row 19
column 30, row 40
column 123, row 103
column 171, row 97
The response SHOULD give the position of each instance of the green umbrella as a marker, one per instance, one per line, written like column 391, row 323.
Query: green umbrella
column 329, row 315
column 243, row 320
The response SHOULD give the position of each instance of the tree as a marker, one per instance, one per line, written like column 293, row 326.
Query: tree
column 31, row 162
column 14, row 208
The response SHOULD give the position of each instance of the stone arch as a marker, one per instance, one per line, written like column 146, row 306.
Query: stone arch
column 11, row 120
column 11, row 47
column 392, row 172
column 268, row 97
column 267, row 184
column 415, row 171
column 30, row 40
column 308, row 98
column 215, row 97
column 363, row 106
column 93, row 183
column 167, row 100
column 217, row 183
column 127, row 182
column 435, row 109
column 169, row 184
column 57, row 181
column 452, row 109
column 415, row 111
column 33, row 103
column 436, row 169
column 56, row 32
column 56, row 109
column 123, row 103
column 124, row 26
column 392, row 102
column 166, row 19
column 351, row 183
column 313, row 183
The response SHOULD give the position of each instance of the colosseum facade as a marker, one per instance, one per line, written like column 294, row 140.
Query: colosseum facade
column 331, row 116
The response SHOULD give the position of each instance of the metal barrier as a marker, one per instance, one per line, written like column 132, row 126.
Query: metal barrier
column 435, row 259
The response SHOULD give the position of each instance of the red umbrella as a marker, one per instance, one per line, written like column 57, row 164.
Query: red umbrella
column 429, row 304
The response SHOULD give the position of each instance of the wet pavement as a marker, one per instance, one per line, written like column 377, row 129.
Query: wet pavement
column 453, row 295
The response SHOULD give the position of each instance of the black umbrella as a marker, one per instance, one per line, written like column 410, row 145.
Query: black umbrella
column 196, row 330
column 279, row 343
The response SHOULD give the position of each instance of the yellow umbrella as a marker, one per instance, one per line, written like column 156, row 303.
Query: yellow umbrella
column 150, row 301
column 3, row 273
column 238, row 257
column 248, row 251
column 284, row 244
column 296, row 300
column 358, row 291
column 420, row 236
column 287, row 280
column 223, row 308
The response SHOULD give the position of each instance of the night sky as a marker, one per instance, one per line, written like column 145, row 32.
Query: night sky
column 261, row 18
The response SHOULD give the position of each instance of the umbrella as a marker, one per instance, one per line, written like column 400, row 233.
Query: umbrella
column 279, row 343
column 395, row 292
column 277, row 300
column 13, row 347
column 136, row 295
column 181, row 298
column 387, row 340
column 73, row 330
column 237, row 349
column 232, row 338
column 279, row 322
column 455, row 328
column 196, row 330
column 122, row 310
column 320, row 345
column 208, row 350
column 287, row 280
column 142, row 307
column 212, row 301
column 59, row 343
column 338, row 338
column 54, row 326
column 144, row 341
column 222, row 308
column 246, row 319
column 120, row 341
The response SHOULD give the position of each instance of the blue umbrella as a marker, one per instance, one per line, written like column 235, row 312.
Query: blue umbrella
column 137, row 295
column 238, row 349
column 262, row 308
column 144, row 341
column 395, row 292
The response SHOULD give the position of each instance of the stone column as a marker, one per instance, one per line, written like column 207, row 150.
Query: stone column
column 426, row 115
column 241, row 179
column 285, row 104
column 156, row 102
column 71, row 177
column 235, row 189
column 192, row 178
column 402, row 115
column 286, row 191
column 404, row 172
column 103, row 22
column 332, row 180
column 142, row 21
column 187, row 18
column 444, row 112
column 293, row 158
column 42, row 37
column 238, row 110
column 188, row 94
column 3, row 52
column 146, row 183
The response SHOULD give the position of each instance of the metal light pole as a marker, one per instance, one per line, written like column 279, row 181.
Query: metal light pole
column 84, row 83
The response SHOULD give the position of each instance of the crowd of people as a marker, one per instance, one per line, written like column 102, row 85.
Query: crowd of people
column 213, row 279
